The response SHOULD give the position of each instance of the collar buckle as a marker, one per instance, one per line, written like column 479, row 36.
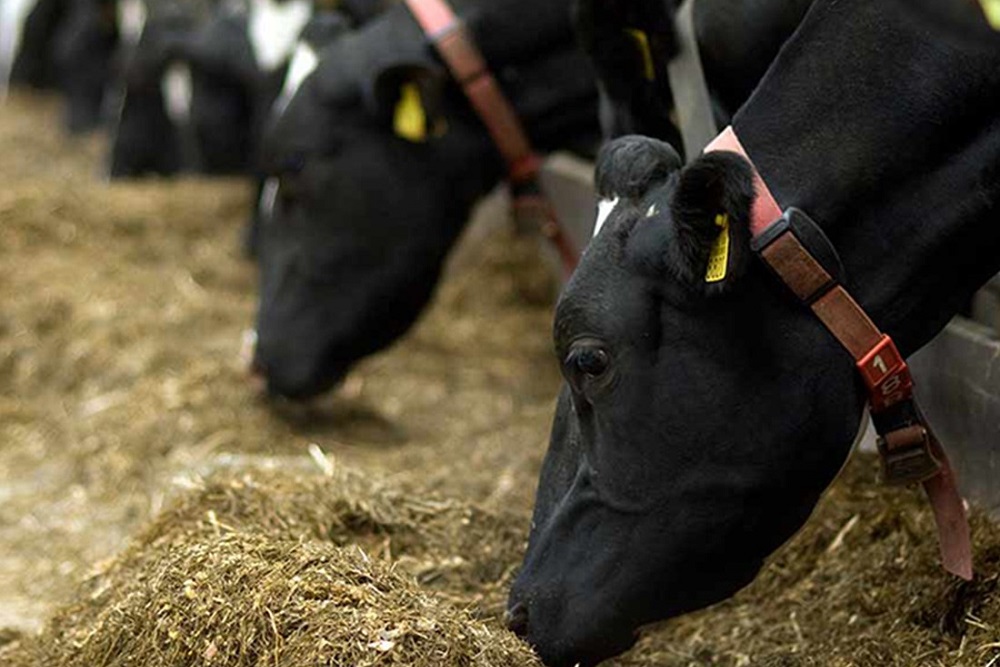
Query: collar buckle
column 907, row 457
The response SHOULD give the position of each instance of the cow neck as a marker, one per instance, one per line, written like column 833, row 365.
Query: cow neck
column 808, row 160
column 458, row 49
column 882, row 150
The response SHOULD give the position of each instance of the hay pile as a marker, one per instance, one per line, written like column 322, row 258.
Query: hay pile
column 120, row 331
column 860, row 586
column 261, row 568
column 278, row 569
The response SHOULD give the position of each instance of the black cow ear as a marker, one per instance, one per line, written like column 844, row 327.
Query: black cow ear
column 709, row 248
column 409, row 99
column 631, row 165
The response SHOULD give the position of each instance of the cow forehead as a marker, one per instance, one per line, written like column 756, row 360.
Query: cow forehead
column 275, row 28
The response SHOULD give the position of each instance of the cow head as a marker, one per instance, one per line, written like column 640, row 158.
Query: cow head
column 373, row 168
column 371, row 176
column 704, row 411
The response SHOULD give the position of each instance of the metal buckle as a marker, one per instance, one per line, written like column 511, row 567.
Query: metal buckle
column 907, row 457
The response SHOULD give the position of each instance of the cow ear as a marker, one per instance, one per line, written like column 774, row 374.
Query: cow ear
column 409, row 99
column 630, row 166
column 709, row 248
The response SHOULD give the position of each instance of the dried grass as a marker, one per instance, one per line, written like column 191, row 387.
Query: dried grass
column 295, row 570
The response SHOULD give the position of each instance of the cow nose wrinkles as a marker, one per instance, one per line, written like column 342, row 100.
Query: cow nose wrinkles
column 516, row 619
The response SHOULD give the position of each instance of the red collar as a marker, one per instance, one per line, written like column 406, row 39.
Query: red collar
column 910, row 451
column 458, row 50
column 765, row 206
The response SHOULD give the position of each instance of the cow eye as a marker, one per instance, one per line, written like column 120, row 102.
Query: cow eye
column 591, row 361
column 587, row 362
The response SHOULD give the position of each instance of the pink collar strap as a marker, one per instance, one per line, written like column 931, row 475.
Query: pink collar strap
column 458, row 50
column 765, row 207
column 910, row 452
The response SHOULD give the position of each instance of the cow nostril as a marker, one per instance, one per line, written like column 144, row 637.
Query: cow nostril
column 516, row 619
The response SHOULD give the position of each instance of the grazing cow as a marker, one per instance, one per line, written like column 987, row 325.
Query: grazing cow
column 310, row 332
column 705, row 409
column 60, row 44
column 376, row 163
column 204, row 77
column 85, row 46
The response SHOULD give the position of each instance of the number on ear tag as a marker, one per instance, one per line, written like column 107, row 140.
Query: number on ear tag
column 410, row 121
column 641, row 40
column 992, row 10
column 718, row 259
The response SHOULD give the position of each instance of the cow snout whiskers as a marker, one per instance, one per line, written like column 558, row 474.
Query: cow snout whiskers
column 516, row 619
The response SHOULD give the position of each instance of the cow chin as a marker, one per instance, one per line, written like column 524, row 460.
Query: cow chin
column 301, row 390
column 591, row 618
column 289, row 374
column 568, row 630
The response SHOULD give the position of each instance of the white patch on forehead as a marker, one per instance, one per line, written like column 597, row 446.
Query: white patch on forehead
column 132, row 16
column 304, row 62
column 275, row 28
column 268, row 197
column 604, row 209
column 13, row 14
column 177, row 93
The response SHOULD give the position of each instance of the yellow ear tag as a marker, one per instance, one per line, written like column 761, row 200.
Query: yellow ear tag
column 642, row 42
column 410, row 121
column 992, row 10
column 718, row 259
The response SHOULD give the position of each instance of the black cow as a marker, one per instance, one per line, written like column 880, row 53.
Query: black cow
column 185, row 93
column 361, row 216
column 700, row 422
column 311, row 332
column 27, row 33
column 206, row 75
column 64, row 45
column 85, row 46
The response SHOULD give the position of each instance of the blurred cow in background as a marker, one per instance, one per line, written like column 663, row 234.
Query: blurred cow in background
column 358, row 221
column 61, row 44
column 374, row 167
column 200, row 79
column 27, row 32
